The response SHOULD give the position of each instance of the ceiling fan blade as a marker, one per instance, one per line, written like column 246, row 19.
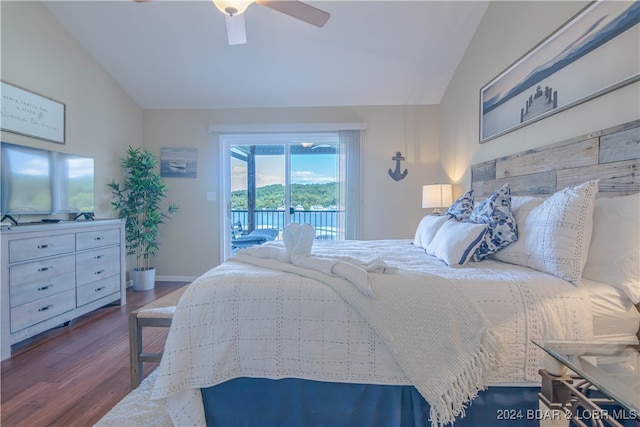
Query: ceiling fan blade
column 236, row 32
column 298, row 10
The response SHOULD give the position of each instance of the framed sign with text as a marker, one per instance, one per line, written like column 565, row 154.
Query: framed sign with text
column 27, row 113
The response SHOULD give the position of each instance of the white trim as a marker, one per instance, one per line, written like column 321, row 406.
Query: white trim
column 279, row 138
column 224, row 164
column 285, row 127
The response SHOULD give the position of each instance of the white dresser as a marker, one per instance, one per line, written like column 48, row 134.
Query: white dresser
column 55, row 272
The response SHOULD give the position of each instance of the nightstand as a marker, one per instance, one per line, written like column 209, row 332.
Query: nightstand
column 591, row 383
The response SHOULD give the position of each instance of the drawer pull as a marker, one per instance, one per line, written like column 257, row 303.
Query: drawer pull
column 44, row 246
column 99, row 272
column 97, row 238
column 46, row 268
column 101, row 288
column 98, row 257
column 44, row 288
column 46, row 308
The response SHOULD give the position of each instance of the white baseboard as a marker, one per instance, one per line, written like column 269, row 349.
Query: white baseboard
column 175, row 278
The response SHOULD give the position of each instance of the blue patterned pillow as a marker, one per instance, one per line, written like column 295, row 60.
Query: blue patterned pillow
column 463, row 206
column 495, row 211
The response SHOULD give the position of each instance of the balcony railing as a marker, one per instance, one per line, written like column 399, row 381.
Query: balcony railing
column 325, row 222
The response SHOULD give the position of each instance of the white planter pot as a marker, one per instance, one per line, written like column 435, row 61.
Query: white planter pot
column 143, row 280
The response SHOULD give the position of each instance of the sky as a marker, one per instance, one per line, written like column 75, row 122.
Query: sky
column 305, row 169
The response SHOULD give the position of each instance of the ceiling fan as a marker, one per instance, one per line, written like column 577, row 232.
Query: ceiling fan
column 233, row 11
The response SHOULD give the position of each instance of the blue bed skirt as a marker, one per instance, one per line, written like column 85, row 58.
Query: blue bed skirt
column 253, row 402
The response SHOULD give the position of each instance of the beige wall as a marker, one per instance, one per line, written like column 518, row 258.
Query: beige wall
column 390, row 209
column 102, row 120
column 507, row 31
column 38, row 54
column 439, row 142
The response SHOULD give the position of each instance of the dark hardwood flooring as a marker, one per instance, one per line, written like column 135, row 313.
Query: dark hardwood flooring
column 72, row 376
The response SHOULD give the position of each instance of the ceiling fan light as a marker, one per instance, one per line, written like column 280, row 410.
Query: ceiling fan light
column 232, row 7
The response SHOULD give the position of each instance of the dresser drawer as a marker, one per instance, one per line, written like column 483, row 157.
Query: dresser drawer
column 96, row 239
column 38, row 279
column 40, row 310
column 40, row 247
column 93, row 291
column 97, row 264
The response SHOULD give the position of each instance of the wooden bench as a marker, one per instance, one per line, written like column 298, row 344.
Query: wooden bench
column 159, row 314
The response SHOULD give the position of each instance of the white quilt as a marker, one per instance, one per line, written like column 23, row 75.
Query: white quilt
column 256, row 322
column 440, row 340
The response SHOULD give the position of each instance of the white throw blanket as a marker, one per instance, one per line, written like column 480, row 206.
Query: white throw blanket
column 439, row 338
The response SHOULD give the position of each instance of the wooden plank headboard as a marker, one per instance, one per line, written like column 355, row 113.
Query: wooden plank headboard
column 613, row 155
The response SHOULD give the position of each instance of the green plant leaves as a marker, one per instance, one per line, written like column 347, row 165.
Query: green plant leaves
column 138, row 199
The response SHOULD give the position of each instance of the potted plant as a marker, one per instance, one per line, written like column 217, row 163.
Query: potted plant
column 137, row 200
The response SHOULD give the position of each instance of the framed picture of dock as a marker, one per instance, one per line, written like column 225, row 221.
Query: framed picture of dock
column 595, row 52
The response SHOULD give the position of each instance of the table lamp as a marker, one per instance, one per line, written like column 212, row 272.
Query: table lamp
column 436, row 196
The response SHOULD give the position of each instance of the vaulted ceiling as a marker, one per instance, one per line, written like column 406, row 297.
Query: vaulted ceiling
column 174, row 54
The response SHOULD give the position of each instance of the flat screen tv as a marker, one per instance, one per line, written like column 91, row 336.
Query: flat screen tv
column 37, row 181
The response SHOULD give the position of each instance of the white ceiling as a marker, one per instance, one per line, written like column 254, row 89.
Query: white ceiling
column 174, row 54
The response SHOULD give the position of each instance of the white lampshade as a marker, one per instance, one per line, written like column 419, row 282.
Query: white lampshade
column 232, row 7
column 436, row 196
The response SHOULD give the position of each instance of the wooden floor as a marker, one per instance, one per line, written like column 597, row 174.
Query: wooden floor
column 73, row 375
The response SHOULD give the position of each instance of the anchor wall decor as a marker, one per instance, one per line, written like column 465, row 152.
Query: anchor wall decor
column 396, row 175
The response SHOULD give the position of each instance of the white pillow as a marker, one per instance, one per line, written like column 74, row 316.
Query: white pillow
column 455, row 242
column 427, row 229
column 554, row 235
column 614, row 254
column 522, row 205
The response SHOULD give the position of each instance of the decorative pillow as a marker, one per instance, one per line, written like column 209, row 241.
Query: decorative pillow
column 462, row 207
column 554, row 235
column 522, row 205
column 455, row 242
column 427, row 229
column 614, row 254
column 495, row 211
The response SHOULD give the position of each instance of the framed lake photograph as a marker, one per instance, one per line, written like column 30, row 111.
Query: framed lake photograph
column 595, row 52
column 178, row 162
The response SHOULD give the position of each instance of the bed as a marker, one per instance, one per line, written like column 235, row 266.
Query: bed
column 439, row 327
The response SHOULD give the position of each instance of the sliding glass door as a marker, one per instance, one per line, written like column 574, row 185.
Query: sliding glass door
column 271, row 180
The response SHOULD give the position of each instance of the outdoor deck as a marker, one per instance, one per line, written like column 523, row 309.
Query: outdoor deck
column 326, row 222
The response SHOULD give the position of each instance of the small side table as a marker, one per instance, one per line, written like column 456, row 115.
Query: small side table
column 603, row 387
